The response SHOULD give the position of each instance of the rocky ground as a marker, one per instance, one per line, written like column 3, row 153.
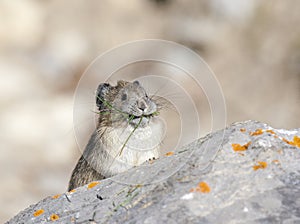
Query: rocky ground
column 252, row 47
column 247, row 173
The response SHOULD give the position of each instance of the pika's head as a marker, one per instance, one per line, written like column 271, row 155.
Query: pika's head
column 127, row 101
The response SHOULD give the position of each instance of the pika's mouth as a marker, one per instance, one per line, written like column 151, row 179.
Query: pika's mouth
column 141, row 120
column 132, row 117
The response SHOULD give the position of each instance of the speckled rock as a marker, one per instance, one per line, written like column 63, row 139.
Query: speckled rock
column 246, row 173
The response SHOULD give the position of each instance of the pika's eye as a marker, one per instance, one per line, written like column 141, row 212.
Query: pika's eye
column 124, row 96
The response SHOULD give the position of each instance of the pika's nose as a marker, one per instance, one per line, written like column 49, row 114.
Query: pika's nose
column 142, row 105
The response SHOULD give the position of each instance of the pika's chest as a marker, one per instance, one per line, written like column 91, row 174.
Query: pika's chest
column 134, row 146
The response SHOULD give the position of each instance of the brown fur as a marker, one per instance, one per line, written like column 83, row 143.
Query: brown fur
column 93, row 163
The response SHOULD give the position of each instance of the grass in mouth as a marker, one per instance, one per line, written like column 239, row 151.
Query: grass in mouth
column 130, row 118
column 131, row 133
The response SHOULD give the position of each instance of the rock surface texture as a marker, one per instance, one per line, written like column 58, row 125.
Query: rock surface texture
column 246, row 173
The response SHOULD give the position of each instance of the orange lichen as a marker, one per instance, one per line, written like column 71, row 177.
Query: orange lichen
column 257, row 132
column 243, row 129
column 54, row 217
column 238, row 147
column 288, row 142
column 271, row 132
column 202, row 187
column 56, row 196
column 261, row 165
column 276, row 161
column 297, row 141
column 38, row 212
column 93, row 184
column 72, row 191
column 169, row 153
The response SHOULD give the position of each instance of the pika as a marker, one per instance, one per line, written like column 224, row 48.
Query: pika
column 128, row 133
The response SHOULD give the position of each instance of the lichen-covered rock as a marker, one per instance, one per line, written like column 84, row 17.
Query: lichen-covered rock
column 246, row 173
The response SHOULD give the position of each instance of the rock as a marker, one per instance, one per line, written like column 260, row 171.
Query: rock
column 204, row 182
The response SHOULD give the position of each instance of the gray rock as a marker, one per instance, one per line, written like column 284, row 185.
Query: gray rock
column 165, row 190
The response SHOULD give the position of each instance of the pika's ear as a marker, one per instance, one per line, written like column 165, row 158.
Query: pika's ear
column 102, row 90
column 136, row 83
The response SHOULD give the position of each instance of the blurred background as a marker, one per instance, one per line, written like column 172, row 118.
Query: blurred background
column 252, row 46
